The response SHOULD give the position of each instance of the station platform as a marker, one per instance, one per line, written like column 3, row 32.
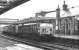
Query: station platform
column 67, row 36
column 20, row 47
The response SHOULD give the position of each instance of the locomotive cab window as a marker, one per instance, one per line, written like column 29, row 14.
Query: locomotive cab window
column 44, row 30
column 50, row 29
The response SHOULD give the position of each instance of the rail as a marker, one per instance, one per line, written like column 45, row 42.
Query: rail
column 39, row 44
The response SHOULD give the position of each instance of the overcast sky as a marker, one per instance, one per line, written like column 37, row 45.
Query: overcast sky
column 29, row 9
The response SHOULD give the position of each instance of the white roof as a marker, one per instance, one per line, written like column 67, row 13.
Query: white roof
column 46, row 24
column 30, row 23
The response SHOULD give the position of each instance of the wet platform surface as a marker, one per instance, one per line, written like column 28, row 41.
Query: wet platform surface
column 4, row 42
column 7, row 44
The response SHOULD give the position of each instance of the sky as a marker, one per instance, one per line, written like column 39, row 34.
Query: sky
column 29, row 8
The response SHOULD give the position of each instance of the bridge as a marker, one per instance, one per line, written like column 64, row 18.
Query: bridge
column 6, row 21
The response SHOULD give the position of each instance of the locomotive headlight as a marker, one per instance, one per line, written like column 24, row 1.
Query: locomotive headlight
column 56, row 27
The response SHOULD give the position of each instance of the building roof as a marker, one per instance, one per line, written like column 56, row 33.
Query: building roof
column 35, row 19
column 42, row 18
column 7, row 21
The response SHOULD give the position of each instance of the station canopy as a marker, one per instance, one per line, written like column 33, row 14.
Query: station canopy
column 6, row 5
column 27, row 9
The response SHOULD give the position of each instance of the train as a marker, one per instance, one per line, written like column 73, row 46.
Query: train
column 32, row 30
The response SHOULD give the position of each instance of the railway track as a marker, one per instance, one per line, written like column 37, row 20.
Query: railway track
column 68, row 43
column 46, row 46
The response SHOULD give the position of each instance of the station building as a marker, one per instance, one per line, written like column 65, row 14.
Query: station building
column 61, row 25
column 68, row 26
